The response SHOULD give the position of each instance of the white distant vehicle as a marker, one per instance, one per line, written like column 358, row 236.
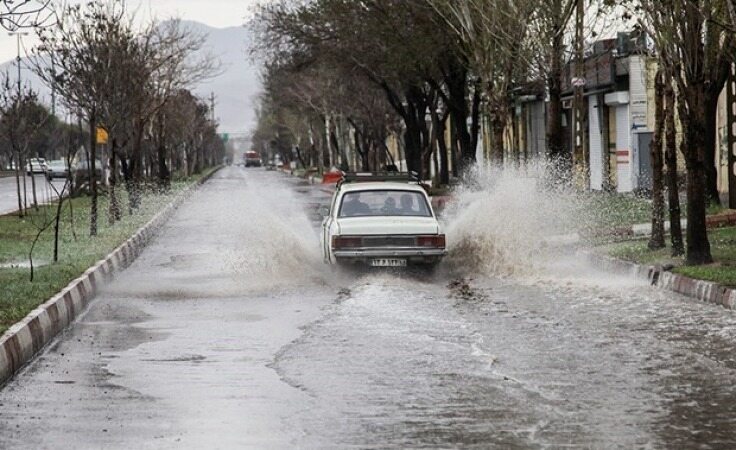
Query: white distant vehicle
column 36, row 165
column 381, row 221
column 57, row 169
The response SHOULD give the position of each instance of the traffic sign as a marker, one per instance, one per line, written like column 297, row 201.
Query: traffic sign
column 578, row 82
column 102, row 136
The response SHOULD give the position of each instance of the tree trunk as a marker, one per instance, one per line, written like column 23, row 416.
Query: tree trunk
column 443, row 169
column 134, row 176
column 555, row 139
column 454, row 150
column 475, row 118
column 343, row 163
column 414, row 120
column 18, row 169
column 164, row 175
column 670, row 153
column 692, row 116
column 113, row 213
column 498, row 127
column 456, row 81
column 656, row 240
column 711, row 170
column 92, row 172
column 57, row 221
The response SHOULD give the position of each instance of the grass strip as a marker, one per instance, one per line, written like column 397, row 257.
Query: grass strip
column 723, row 248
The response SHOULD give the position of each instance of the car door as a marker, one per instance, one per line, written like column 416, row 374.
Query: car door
column 327, row 223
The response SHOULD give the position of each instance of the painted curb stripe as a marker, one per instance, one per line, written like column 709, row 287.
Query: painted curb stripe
column 704, row 291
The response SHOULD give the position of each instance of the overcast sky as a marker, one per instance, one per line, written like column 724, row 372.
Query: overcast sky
column 216, row 13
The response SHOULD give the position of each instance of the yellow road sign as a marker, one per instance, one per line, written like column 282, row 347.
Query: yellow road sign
column 101, row 136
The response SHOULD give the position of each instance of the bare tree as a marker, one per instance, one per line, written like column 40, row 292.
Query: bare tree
column 21, row 119
column 657, row 239
column 78, row 47
column 120, row 75
column 403, row 47
column 16, row 14
column 671, row 176
column 493, row 33
column 679, row 29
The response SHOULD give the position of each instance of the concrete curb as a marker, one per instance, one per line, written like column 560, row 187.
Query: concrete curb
column 704, row 291
column 24, row 340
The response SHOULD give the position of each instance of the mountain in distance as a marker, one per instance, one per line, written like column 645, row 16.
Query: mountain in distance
column 236, row 86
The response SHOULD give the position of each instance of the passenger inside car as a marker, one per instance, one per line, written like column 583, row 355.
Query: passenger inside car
column 389, row 206
column 407, row 204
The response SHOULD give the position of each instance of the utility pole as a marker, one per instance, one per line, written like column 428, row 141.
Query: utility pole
column 53, row 87
column 212, row 106
column 580, row 160
column 21, row 163
column 18, row 35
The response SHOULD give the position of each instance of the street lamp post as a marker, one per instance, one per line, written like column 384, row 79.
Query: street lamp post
column 18, row 34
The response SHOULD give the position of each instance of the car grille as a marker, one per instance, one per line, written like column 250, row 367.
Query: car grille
column 389, row 241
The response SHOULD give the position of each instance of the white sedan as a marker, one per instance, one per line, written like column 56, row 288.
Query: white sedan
column 381, row 224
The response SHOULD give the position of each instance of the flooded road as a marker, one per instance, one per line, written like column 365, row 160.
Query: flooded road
column 229, row 332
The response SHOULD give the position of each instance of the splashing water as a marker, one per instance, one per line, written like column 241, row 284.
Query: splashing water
column 277, row 243
column 507, row 222
column 242, row 233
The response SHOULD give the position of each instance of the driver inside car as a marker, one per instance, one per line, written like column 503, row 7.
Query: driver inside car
column 355, row 207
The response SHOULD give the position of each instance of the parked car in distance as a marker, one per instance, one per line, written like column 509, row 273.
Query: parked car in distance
column 80, row 173
column 36, row 165
column 381, row 221
column 57, row 168
column 252, row 159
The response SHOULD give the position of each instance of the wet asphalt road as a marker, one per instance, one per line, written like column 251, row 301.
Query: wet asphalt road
column 9, row 195
column 229, row 332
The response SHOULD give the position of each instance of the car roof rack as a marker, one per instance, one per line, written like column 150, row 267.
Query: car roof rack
column 358, row 177
column 398, row 177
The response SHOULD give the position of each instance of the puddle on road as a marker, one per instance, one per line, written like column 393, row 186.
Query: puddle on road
column 25, row 264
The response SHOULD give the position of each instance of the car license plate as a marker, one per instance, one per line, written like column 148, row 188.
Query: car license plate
column 388, row 263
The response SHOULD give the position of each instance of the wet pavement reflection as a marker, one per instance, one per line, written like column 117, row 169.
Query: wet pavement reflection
column 230, row 332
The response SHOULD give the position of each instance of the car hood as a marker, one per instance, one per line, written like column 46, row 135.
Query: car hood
column 387, row 225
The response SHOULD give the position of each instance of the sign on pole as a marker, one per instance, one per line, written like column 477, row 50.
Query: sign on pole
column 578, row 82
column 101, row 136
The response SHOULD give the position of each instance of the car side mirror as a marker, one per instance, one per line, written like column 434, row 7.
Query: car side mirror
column 324, row 211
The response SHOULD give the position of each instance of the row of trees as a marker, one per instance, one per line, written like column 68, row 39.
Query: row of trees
column 131, row 81
column 386, row 65
column 28, row 130
column 341, row 72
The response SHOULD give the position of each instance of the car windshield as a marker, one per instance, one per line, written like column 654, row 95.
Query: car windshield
column 384, row 203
